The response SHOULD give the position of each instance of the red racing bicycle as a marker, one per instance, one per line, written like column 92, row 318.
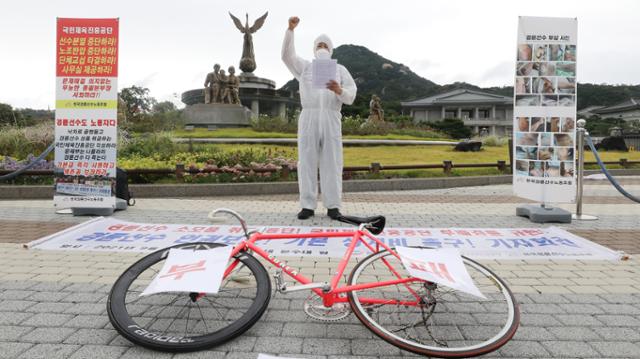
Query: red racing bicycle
column 410, row 313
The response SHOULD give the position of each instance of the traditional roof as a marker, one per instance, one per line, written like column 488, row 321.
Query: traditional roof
column 630, row 104
column 460, row 97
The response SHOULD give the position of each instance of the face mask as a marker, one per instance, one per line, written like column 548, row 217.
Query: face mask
column 323, row 54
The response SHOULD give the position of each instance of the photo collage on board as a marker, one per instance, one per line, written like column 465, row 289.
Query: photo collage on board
column 544, row 146
column 546, row 75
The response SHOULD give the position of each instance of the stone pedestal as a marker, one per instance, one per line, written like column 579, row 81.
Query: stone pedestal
column 218, row 115
column 249, row 80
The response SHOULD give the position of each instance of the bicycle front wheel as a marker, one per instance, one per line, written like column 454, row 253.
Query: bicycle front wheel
column 429, row 319
column 179, row 322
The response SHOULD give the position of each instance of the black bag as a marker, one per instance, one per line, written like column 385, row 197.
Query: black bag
column 122, row 187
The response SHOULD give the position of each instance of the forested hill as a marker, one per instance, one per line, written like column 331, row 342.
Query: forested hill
column 395, row 82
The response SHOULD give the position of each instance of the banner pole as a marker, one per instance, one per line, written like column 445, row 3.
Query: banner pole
column 581, row 132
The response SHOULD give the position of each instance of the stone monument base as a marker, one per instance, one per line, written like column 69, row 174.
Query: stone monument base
column 217, row 115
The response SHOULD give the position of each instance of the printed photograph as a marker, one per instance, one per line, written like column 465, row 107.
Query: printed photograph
column 526, row 139
column 570, row 53
column 527, row 100
column 556, row 52
column 563, row 154
column 553, row 124
column 537, row 124
column 540, row 53
column 566, row 100
column 566, row 85
column 545, row 153
column 523, row 85
column 522, row 168
column 526, row 153
column 546, row 139
column 524, row 52
column 536, row 169
column 568, row 124
column 566, row 69
column 525, row 69
column 549, row 100
column 547, row 69
column 563, row 139
column 523, row 124
column 552, row 169
column 544, row 85
column 566, row 169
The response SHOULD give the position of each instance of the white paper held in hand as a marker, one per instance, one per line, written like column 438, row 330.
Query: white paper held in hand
column 443, row 266
column 323, row 71
column 186, row 270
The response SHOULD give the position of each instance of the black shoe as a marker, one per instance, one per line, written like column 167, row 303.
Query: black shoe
column 334, row 213
column 305, row 213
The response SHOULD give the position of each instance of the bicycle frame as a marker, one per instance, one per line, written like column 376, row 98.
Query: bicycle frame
column 336, row 293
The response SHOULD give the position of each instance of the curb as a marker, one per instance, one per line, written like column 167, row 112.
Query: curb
column 234, row 189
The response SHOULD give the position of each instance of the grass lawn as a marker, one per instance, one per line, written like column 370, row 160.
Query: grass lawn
column 401, row 155
column 249, row 133
column 385, row 155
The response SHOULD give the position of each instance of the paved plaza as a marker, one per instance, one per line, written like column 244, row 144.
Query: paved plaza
column 52, row 303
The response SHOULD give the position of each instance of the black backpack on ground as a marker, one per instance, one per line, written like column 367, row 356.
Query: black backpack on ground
column 122, row 187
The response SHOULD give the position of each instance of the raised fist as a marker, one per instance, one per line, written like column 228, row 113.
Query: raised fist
column 293, row 22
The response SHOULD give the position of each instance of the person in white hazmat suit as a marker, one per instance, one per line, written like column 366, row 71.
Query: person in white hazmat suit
column 319, row 126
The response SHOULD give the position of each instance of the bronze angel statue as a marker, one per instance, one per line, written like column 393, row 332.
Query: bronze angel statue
column 248, row 60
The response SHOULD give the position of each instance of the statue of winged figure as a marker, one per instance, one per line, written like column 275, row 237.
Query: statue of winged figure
column 248, row 60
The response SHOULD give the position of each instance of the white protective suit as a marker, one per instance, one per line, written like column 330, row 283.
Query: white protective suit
column 319, row 128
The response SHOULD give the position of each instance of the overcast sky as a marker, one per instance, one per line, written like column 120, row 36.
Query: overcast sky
column 169, row 46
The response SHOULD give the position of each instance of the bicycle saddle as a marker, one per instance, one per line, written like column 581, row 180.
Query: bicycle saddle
column 374, row 224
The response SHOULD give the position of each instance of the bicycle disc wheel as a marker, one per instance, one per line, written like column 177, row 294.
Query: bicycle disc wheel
column 430, row 319
column 179, row 322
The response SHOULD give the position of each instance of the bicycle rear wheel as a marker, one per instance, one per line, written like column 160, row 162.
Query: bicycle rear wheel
column 433, row 320
column 179, row 322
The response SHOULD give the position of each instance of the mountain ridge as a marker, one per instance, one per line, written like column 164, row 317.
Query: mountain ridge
column 395, row 82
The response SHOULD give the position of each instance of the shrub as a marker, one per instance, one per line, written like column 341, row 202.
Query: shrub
column 493, row 141
column 158, row 145
column 265, row 123
column 351, row 124
column 452, row 127
column 374, row 128
column 400, row 121
column 20, row 142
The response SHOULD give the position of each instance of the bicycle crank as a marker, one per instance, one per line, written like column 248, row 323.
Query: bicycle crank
column 314, row 308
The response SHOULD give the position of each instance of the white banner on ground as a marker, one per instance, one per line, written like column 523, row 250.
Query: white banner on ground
column 191, row 271
column 544, row 113
column 110, row 234
column 443, row 266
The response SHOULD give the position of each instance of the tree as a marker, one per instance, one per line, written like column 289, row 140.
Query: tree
column 137, row 101
column 164, row 107
column 7, row 117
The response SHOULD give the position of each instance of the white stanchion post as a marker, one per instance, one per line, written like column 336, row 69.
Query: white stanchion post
column 581, row 132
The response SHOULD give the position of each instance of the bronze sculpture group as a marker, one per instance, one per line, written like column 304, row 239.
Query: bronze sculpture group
column 222, row 88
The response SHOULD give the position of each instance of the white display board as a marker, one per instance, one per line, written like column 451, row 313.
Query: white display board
column 544, row 115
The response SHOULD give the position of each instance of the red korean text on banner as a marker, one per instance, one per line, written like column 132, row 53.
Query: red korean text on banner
column 87, row 47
